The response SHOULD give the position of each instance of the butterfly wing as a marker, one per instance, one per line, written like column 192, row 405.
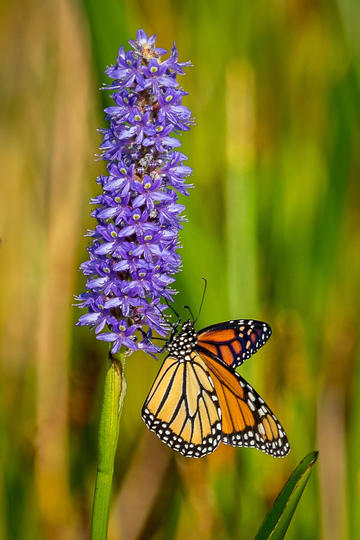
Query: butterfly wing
column 234, row 341
column 182, row 407
column 246, row 419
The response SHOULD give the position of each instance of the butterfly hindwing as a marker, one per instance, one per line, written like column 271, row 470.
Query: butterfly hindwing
column 246, row 419
column 182, row 407
column 234, row 341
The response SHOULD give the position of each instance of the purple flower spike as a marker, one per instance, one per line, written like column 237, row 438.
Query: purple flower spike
column 133, row 253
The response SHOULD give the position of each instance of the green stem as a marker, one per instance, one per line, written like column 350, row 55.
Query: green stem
column 114, row 393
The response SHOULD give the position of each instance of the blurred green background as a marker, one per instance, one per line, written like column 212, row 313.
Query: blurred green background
column 273, row 225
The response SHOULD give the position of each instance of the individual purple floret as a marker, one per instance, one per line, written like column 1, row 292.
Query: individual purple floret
column 133, row 253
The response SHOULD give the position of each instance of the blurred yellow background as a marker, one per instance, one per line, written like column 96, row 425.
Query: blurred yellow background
column 273, row 225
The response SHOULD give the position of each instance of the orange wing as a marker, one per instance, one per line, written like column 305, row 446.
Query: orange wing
column 246, row 419
column 182, row 408
column 234, row 341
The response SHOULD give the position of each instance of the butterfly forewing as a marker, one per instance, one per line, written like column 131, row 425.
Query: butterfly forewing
column 182, row 407
column 246, row 419
column 234, row 341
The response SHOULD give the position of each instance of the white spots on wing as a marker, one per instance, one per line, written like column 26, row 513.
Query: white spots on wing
column 251, row 405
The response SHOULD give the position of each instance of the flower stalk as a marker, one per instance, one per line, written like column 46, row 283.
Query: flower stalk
column 133, row 254
column 114, row 394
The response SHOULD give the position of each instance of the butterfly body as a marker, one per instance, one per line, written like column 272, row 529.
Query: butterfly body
column 198, row 399
column 184, row 342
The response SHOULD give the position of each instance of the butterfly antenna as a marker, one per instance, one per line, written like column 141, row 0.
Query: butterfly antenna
column 172, row 309
column 173, row 326
column 191, row 313
column 202, row 300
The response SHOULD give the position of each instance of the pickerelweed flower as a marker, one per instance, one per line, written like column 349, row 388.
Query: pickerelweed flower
column 133, row 253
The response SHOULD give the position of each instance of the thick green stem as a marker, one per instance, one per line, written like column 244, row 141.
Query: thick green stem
column 114, row 393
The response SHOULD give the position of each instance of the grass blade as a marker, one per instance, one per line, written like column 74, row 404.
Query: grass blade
column 278, row 518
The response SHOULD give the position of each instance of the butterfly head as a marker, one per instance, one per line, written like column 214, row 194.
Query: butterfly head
column 184, row 342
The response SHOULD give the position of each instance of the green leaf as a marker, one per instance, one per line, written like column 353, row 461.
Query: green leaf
column 279, row 516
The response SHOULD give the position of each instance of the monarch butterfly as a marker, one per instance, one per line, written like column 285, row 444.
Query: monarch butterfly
column 198, row 399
